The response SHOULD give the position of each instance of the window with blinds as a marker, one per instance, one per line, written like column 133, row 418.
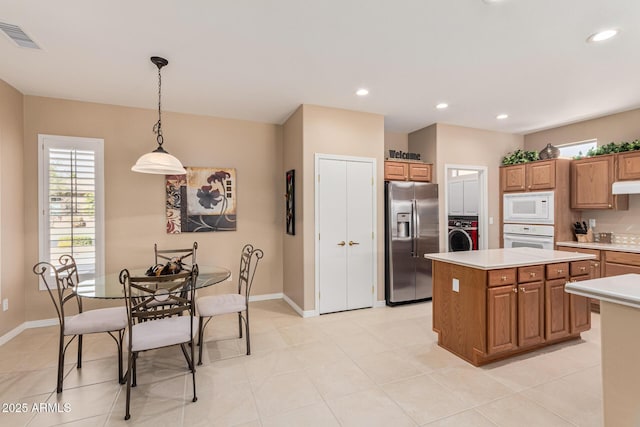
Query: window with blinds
column 71, row 186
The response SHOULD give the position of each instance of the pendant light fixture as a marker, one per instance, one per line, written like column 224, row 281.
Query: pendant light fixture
column 159, row 161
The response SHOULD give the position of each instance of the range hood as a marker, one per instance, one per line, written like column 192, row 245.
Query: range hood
column 626, row 187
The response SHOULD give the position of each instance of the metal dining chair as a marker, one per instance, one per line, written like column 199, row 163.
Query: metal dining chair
column 215, row 305
column 61, row 282
column 151, row 326
column 185, row 257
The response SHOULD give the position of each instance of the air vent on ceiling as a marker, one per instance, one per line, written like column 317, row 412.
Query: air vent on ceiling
column 19, row 37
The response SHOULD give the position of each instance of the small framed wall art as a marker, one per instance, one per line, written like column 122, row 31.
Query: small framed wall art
column 290, row 204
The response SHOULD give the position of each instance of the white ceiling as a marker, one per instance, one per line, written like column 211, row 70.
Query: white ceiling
column 259, row 59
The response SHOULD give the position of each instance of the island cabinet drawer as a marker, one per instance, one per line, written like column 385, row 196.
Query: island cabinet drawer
column 557, row 271
column 505, row 276
column 531, row 273
column 580, row 268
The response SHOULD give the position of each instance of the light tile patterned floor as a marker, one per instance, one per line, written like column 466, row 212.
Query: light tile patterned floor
column 373, row 367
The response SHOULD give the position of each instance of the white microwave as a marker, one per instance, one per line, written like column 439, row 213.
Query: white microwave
column 528, row 208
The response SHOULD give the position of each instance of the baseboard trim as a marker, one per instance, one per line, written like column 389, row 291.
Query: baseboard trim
column 301, row 312
column 379, row 304
column 266, row 297
column 26, row 325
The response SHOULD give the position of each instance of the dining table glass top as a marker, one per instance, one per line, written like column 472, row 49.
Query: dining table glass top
column 108, row 286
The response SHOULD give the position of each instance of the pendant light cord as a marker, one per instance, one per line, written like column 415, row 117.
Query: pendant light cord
column 157, row 128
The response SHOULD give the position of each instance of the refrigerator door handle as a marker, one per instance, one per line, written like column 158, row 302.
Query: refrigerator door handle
column 416, row 234
column 414, row 231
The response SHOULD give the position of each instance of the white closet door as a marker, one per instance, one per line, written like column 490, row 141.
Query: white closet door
column 471, row 190
column 359, row 234
column 456, row 198
column 332, row 200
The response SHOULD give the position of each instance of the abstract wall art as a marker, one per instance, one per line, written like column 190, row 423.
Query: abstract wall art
column 202, row 200
column 290, row 206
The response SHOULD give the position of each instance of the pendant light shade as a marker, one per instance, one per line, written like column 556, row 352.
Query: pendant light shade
column 159, row 161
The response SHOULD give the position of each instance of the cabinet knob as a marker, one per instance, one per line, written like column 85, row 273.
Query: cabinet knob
column 583, row 268
column 560, row 271
column 515, row 289
column 522, row 290
column 596, row 264
column 503, row 278
column 532, row 274
column 609, row 205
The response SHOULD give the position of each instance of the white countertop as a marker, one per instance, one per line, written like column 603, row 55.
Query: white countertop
column 491, row 259
column 602, row 246
column 624, row 289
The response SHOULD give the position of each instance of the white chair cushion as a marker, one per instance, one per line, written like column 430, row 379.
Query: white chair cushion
column 220, row 304
column 162, row 332
column 99, row 320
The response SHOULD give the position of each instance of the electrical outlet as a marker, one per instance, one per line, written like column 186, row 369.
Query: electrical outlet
column 5, row 304
column 592, row 223
column 456, row 285
column 490, row 220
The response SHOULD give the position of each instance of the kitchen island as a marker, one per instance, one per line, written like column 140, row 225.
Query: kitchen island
column 620, row 318
column 496, row 303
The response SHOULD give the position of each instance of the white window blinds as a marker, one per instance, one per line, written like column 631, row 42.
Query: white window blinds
column 71, row 201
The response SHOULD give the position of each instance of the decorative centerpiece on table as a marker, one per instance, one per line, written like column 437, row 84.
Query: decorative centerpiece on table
column 174, row 266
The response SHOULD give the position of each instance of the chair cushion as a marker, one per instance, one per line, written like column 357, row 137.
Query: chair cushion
column 99, row 320
column 162, row 332
column 220, row 304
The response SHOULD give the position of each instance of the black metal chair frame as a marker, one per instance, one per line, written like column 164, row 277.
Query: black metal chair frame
column 186, row 256
column 65, row 278
column 245, row 280
column 178, row 291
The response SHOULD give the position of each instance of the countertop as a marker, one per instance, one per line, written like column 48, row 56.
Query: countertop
column 602, row 246
column 491, row 259
column 624, row 289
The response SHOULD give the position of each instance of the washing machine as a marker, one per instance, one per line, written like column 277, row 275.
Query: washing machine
column 463, row 233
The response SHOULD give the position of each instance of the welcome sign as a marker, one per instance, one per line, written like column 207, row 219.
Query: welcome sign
column 393, row 154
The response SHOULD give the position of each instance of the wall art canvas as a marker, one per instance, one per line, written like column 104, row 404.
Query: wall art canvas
column 290, row 207
column 202, row 200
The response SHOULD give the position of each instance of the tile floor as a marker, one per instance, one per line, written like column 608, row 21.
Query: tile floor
column 373, row 367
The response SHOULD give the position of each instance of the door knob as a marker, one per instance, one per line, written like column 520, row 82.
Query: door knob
column 342, row 243
column 351, row 243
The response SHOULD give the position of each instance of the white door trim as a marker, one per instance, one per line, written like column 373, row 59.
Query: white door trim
column 483, row 205
column 372, row 161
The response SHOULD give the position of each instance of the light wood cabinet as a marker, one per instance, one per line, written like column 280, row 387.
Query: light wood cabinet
column 629, row 165
column 591, row 181
column 502, row 333
column 407, row 171
column 595, row 268
column 396, row 171
column 566, row 314
column 533, row 176
column 579, row 306
column 419, row 172
column 617, row 263
column 557, row 309
column 530, row 314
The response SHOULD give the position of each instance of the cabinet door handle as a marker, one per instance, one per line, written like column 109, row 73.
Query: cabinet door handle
column 342, row 243
column 351, row 243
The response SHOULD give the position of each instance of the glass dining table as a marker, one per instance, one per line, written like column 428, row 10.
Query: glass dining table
column 108, row 286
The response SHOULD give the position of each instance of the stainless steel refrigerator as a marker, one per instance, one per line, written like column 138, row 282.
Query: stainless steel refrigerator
column 411, row 230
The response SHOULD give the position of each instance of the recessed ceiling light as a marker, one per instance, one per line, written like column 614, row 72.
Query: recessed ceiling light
column 442, row 106
column 602, row 36
column 502, row 116
column 362, row 92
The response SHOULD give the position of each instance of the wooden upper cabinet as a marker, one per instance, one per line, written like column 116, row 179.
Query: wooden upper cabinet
column 396, row 171
column 533, row 176
column 629, row 165
column 513, row 178
column 419, row 172
column 541, row 175
column 407, row 171
column 591, row 181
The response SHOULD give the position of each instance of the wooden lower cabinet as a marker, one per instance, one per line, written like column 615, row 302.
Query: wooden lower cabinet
column 502, row 331
column 491, row 315
column 595, row 269
column 557, row 309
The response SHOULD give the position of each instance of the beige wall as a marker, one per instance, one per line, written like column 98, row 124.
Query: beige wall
column 395, row 141
column 614, row 128
column 339, row 132
column 293, row 246
column 11, row 208
column 135, row 203
column 466, row 146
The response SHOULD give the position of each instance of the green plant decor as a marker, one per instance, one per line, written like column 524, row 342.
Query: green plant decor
column 612, row 148
column 520, row 156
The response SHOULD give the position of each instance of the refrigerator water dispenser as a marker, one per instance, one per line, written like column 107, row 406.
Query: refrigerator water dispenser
column 403, row 224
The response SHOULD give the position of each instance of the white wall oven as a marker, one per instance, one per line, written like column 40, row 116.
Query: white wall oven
column 528, row 236
column 528, row 208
